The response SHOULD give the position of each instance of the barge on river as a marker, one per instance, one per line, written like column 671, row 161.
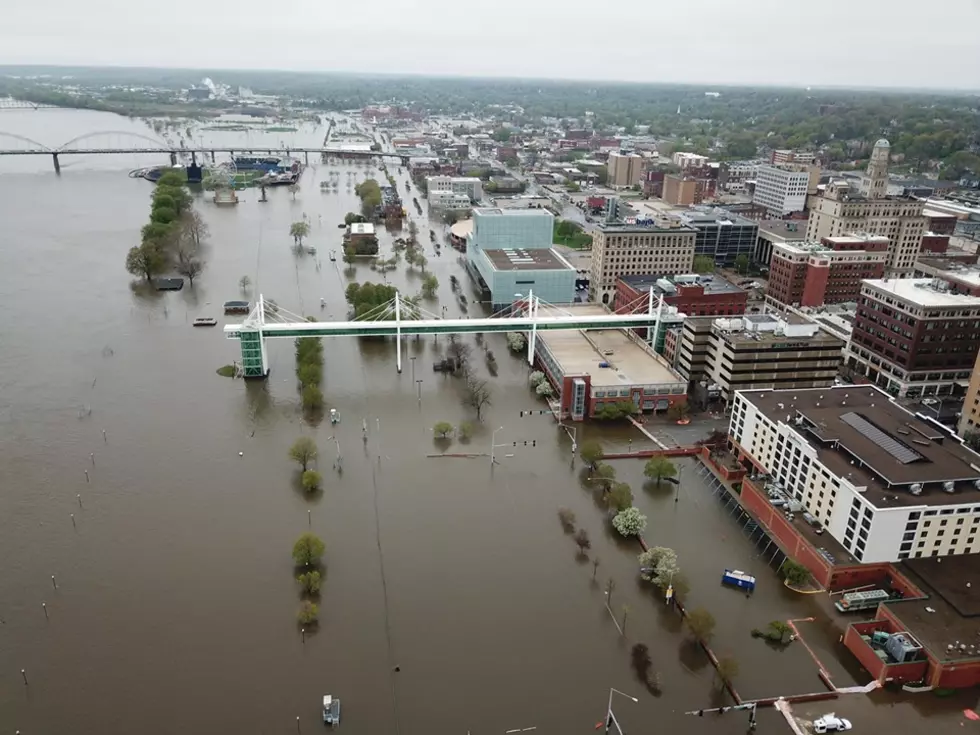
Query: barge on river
column 331, row 710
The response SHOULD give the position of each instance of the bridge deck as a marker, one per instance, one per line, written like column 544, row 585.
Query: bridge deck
column 442, row 326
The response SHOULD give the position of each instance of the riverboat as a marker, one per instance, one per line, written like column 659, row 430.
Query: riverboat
column 278, row 179
column 260, row 163
column 205, row 321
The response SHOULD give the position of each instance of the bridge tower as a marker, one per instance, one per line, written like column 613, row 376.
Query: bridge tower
column 255, row 363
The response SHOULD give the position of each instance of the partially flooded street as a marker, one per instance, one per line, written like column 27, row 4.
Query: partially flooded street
column 151, row 505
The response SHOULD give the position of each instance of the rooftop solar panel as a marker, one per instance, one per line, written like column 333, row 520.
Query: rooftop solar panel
column 897, row 449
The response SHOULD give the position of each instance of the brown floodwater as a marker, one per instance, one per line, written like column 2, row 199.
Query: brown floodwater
column 175, row 602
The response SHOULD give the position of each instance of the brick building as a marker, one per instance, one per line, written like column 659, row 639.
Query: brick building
column 693, row 295
column 914, row 336
column 811, row 274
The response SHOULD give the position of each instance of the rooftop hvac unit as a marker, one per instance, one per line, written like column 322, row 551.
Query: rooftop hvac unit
column 949, row 486
column 976, row 484
column 916, row 489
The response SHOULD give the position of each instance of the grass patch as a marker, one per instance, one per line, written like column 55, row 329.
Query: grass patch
column 226, row 371
column 571, row 235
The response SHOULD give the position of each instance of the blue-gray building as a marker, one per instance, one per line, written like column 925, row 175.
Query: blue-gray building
column 510, row 252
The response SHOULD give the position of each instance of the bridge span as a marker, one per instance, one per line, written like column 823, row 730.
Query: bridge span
column 175, row 151
column 399, row 317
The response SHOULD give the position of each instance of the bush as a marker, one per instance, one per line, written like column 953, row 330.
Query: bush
column 311, row 480
column 309, row 374
column 630, row 522
column 308, row 549
column 465, row 431
column 310, row 582
column 516, row 341
column 795, row 573
column 312, row 397
column 308, row 613
column 616, row 411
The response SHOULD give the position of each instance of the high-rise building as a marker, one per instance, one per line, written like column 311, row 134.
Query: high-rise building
column 970, row 418
column 680, row 190
column 624, row 169
column 684, row 159
column 733, row 175
column 829, row 272
column 781, row 189
column 881, row 481
column 842, row 210
column 914, row 336
column 620, row 249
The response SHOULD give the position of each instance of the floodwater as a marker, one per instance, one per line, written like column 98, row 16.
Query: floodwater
column 453, row 601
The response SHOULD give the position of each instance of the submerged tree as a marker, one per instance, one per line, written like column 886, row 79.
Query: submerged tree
column 303, row 451
column 145, row 260
column 308, row 550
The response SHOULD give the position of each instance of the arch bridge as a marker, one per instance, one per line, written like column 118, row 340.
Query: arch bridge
column 149, row 144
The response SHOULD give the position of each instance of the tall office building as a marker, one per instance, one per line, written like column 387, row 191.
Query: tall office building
column 624, row 169
column 781, row 189
column 620, row 249
column 843, row 210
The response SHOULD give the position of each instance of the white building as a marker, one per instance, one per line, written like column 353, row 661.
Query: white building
column 781, row 189
column 886, row 484
column 471, row 186
column 688, row 160
column 449, row 200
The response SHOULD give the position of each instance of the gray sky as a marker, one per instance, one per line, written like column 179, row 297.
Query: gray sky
column 906, row 43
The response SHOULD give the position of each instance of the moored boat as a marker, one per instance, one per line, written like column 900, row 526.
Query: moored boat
column 205, row 321
column 237, row 307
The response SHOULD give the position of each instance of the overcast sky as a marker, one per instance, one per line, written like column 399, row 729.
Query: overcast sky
column 898, row 43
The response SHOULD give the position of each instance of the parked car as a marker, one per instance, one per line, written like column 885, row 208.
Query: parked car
column 830, row 723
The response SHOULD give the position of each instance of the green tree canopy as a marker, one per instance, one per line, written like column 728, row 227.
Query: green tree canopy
column 146, row 260
column 704, row 264
column 658, row 468
column 303, row 451
column 308, row 550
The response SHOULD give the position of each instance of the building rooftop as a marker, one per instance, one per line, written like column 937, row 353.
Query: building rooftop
column 361, row 228
column 510, row 212
column 769, row 330
column 949, row 614
column 668, row 285
column 579, row 353
column 644, row 227
column 714, row 215
column 926, row 292
column 535, row 259
column 788, row 229
column 862, row 435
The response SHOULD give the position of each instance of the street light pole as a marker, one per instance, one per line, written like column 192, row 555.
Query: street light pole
column 677, row 487
column 610, row 718
column 412, row 358
column 493, row 445
column 419, row 384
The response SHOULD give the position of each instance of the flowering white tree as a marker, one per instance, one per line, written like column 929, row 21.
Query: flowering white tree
column 536, row 378
column 544, row 389
column 658, row 565
column 630, row 522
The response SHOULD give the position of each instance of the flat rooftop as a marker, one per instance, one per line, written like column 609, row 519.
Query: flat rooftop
column 579, row 353
column 921, row 292
column 862, row 435
column 788, row 229
column 501, row 212
column 622, row 227
column 534, row 259
column 948, row 614
column 712, row 284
